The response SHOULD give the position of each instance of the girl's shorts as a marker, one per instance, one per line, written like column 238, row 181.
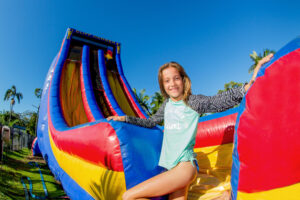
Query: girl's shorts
column 195, row 162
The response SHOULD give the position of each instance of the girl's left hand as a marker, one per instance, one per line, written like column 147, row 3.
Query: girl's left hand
column 261, row 62
column 258, row 66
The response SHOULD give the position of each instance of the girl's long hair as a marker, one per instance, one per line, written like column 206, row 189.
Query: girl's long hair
column 187, row 91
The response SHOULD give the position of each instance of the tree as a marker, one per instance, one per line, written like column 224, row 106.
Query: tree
column 38, row 92
column 143, row 100
column 157, row 101
column 31, row 119
column 230, row 85
column 12, row 94
column 257, row 57
column 8, row 120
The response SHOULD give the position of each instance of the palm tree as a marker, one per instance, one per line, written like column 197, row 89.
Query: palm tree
column 156, row 102
column 143, row 100
column 12, row 94
column 256, row 58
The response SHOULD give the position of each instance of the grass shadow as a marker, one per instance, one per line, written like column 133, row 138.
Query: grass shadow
column 15, row 167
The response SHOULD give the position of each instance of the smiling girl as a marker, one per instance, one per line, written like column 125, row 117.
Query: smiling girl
column 180, row 112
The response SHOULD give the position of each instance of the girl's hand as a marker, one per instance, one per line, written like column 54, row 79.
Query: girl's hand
column 258, row 66
column 261, row 62
column 116, row 118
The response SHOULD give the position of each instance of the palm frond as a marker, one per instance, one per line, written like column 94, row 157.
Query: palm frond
column 19, row 96
column 7, row 95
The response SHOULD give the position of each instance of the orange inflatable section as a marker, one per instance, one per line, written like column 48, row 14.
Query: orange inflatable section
column 70, row 94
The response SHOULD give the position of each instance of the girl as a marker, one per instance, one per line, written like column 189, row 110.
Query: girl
column 180, row 112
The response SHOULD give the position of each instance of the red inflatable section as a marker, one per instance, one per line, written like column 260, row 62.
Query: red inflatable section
column 270, row 158
column 216, row 132
column 86, row 142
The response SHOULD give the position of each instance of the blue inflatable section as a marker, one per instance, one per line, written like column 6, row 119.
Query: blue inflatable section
column 88, row 84
column 73, row 190
column 140, row 149
column 219, row 115
column 106, row 87
column 36, row 149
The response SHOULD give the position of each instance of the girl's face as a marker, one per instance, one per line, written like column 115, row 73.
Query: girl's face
column 173, row 83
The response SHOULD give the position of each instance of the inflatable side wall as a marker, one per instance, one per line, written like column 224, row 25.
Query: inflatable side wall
column 266, row 161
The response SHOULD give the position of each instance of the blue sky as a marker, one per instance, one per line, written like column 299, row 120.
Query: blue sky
column 212, row 40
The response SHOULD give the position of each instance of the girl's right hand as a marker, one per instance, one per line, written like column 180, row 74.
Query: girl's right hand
column 116, row 118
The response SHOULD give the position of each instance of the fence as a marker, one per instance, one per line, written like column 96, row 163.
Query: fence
column 15, row 138
column 20, row 139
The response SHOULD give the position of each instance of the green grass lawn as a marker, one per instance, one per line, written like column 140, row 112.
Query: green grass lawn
column 15, row 165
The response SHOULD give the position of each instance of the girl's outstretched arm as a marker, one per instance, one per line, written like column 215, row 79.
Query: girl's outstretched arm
column 219, row 102
column 227, row 99
column 149, row 123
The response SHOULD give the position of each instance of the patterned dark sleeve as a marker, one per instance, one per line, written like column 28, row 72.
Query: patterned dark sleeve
column 219, row 102
column 150, row 122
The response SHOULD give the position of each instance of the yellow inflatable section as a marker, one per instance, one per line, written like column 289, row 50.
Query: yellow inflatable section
column 215, row 172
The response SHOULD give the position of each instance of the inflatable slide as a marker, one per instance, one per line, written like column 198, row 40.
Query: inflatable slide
column 35, row 150
column 98, row 159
